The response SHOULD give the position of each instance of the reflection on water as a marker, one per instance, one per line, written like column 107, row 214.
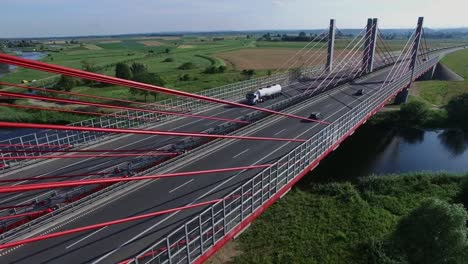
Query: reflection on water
column 374, row 150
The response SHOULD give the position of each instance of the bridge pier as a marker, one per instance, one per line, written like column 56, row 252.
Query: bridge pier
column 402, row 96
column 331, row 45
column 369, row 46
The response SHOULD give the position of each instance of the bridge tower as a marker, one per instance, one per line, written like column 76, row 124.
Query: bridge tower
column 331, row 45
column 402, row 97
column 369, row 45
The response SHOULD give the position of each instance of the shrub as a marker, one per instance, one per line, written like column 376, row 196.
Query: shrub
column 414, row 113
column 187, row 66
column 168, row 60
column 435, row 232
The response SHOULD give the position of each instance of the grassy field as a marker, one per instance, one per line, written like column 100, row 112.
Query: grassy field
column 438, row 93
column 333, row 223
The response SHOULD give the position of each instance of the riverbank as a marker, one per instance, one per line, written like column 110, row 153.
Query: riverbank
column 337, row 222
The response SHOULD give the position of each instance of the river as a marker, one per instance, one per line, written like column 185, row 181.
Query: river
column 378, row 151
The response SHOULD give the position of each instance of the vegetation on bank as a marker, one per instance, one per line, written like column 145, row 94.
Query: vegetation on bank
column 385, row 219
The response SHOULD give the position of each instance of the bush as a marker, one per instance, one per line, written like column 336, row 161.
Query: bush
column 65, row 83
column 414, row 113
column 457, row 109
column 168, row 60
column 184, row 77
column 123, row 71
column 463, row 194
column 187, row 66
column 435, row 232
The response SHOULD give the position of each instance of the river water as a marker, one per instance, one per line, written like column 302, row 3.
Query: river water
column 31, row 55
column 377, row 151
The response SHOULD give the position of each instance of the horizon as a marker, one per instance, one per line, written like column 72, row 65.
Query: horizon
column 57, row 18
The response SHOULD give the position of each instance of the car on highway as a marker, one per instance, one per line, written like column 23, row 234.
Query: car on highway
column 316, row 116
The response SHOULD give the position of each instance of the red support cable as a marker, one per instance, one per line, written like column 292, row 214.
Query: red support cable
column 84, row 95
column 141, row 132
column 78, row 102
column 25, row 214
column 66, row 184
column 104, row 224
column 76, row 112
column 38, row 178
column 81, row 156
column 21, row 62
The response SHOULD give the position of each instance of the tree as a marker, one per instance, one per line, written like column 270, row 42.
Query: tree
column 167, row 51
column 123, row 71
column 457, row 109
column 435, row 232
column 462, row 196
column 65, row 83
column 248, row 73
column 138, row 69
column 187, row 66
column 414, row 113
column 149, row 78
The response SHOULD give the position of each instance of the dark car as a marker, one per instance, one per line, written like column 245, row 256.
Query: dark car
column 315, row 116
column 359, row 92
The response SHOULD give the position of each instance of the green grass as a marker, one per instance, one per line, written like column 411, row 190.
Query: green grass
column 331, row 223
column 440, row 92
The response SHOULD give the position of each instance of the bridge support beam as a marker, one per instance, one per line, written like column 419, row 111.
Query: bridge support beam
column 331, row 45
column 402, row 97
column 417, row 44
column 369, row 45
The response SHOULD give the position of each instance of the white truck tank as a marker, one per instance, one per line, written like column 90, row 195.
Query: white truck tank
column 262, row 94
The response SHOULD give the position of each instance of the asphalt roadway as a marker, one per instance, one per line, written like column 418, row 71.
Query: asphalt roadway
column 115, row 243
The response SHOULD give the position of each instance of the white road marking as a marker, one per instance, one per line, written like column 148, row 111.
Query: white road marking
column 93, row 233
column 279, row 132
column 180, row 186
column 240, row 153
column 100, row 164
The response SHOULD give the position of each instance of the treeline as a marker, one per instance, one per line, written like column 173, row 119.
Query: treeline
column 301, row 37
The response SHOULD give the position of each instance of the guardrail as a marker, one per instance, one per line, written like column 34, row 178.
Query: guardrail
column 217, row 224
column 77, row 140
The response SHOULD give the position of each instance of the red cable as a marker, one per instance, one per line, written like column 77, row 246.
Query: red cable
column 104, row 224
column 8, row 59
column 75, row 112
column 78, row 102
column 66, row 184
column 83, row 95
column 139, row 131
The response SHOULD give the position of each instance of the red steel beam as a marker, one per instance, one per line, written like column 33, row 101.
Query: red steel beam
column 66, row 184
column 141, row 132
column 84, row 95
column 81, row 156
column 78, row 102
column 25, row 214
column 104, row 224
column 21, row 62
column 75, row 112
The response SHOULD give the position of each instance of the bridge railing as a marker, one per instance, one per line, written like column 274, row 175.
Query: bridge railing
column 64, row 140
column 229, row 216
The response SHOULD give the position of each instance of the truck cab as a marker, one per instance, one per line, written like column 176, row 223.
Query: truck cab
column 252, row 98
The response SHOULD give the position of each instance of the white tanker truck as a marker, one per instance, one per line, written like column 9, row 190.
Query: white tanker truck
column 262, row 94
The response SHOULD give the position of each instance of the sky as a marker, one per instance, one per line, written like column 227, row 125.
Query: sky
column 44, row 18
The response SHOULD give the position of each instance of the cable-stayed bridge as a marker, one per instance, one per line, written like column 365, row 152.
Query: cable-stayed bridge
column 173, row 182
